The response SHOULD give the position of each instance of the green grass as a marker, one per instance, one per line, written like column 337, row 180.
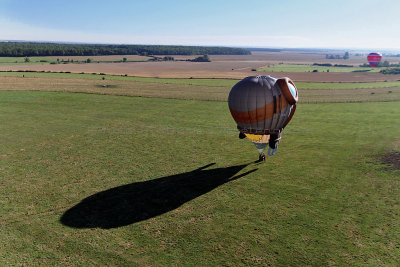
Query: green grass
column 323, row 199
column 310, row 68
column 76, row 59
column 97, row 76
column 181, row 89
column 346, row 86
column 21, row 61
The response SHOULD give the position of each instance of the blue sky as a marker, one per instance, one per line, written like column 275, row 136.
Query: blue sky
column 251, row 23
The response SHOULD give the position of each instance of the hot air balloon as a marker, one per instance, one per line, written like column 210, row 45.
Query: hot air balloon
column 262, row 106
column 374, row 58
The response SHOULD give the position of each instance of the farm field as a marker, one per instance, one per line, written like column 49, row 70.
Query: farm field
column 287, row 57
column 112, row 58
column 227, row 70
column 142, row 166
column 297, row 57
column 194, row 89
column 53, row 59
column 230, row 67
column 311, row 68
column 21, row 61
column 194, row 81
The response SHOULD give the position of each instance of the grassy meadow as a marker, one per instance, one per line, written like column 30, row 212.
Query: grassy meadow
column 105, row 179
column 216, row 82
column 22, row 61
column 101, row 76
column 189, row 89
column 69, row 60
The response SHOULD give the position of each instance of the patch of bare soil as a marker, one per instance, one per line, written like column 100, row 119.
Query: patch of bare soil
column 392, row 160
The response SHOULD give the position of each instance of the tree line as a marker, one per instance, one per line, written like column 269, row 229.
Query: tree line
column 331, row 65
column 30, row 49
column 391, row 71
column 345, row 56
column 384, row 64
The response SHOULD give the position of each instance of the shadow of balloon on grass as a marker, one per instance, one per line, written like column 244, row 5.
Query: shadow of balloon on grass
column 135, row 202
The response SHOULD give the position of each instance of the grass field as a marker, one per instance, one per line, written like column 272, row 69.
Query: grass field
column 310, row 68
column 93, row 179
column 192, row 89
column 123, row 170
column 110, row 58
column 21, row 61
column 228, row 69
column 70, row 59
column 203, row 82
column 98, row 76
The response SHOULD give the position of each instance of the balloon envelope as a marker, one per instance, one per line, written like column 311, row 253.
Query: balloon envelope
column 374, row 58
column 262, row 104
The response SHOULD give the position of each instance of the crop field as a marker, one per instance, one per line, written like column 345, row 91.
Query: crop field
column 300, row 57
column 311, row 68
column 149, row 171
column 194, row 81
column 209, row 70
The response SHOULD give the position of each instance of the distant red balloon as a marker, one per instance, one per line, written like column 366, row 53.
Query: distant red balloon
column 374, row 58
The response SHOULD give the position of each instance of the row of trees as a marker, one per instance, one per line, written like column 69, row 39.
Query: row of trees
column 384, row 64
column 345, row 56
column 331, row 65
column 391, row 71
column 166, row 58
column 28, row 49
column 204, row 58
